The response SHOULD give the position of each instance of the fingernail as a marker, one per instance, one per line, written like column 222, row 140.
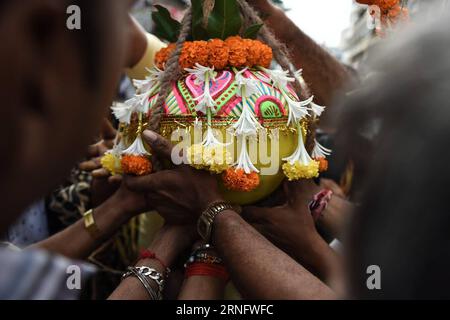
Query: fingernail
column 150, row 135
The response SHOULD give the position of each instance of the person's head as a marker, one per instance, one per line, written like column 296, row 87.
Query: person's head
column 403, row 222
column 55, row 85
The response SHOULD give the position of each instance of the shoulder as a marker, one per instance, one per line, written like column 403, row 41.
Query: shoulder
column 38, row 275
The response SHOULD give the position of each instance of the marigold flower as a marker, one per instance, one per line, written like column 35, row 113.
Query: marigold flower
column 238, row 180
column 163, row 55
column 111, row 163
column 194, row 52
column 266, row 54
column 323, row 164
column 216, row 159
column 238, row 52
column 136, row 165
column 218, row 54
column 386, row 5
column 296, row 170
column 253, row 52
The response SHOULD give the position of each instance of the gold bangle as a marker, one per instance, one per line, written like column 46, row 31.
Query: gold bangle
column 89, row 223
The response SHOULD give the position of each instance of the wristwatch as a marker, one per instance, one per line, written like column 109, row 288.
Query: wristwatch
column 206, row 220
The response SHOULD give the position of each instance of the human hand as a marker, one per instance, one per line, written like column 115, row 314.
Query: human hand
column 181, row 194
column 128, row 202
column 289, row 226
column 96, row 151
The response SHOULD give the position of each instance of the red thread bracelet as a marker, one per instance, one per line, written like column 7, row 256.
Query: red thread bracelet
column 204, row 269
column 147, row 254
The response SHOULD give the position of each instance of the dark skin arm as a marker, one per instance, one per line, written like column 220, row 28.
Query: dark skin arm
column 77, row 243
column 291, row 228
column 167, row 245
column 324, row 74
column 258, row 268
column 203, row 287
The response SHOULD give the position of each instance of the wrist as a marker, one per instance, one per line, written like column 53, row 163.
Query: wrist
column 207, row 219
column 318, row 256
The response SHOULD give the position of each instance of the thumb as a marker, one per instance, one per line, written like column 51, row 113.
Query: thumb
column 160, row 145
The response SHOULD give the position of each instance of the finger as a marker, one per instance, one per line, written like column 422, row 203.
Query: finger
column 91, row 165
column 100, row 173
column 92, row 150
column 160, row 145
column 147, row 183
column 107, row 130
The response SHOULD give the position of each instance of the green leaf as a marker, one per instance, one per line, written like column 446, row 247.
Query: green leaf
column 198, row 31
column 167, row 28
column 225, row 19
column 252, row 31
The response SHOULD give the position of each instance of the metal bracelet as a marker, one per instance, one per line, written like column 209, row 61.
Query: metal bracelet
column 143, row 274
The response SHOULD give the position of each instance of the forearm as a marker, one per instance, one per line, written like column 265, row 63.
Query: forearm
column 166, row 247
column 202, row 288
column 77, row 242
column 321, row 260
column 259, row 269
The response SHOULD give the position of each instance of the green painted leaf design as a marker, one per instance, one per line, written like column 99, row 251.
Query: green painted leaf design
column 252, row 31
column 198, row 31
column 167, row 28
column 225, row 19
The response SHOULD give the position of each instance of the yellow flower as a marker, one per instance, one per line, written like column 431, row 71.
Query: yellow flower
column 111, row 163
column 298, row 171
column 215, row 159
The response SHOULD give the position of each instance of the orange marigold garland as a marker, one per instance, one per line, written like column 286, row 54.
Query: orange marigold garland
column 218, row 54
column 323, row 164
column 238, row 52
column 238, row 180
column 163, row 55
column 136, row 165
column 194, row 52
column 319, row 154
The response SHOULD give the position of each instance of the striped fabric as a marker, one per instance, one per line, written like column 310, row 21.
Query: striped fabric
column 38, row 275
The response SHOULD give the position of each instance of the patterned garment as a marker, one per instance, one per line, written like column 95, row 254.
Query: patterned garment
column 68, row 203
column 30, row 228
column 38, row 275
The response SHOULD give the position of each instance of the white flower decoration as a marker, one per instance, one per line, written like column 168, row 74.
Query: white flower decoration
column 153, row 79
column 297, row 109
column 123, row 111
column 279, row 78
column 300, row 154
column 298, row 75
column 137, row 148
column 316, row 109
column 246, row 86
column 203, row 75
column 244, row 162
column 320, row 151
